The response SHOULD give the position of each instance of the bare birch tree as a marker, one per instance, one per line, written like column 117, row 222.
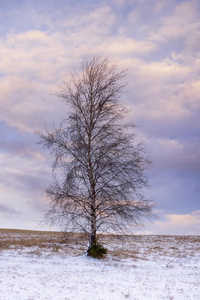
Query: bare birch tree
column 99, row 170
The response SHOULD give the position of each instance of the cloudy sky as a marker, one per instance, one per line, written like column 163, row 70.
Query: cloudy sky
column 158, row 40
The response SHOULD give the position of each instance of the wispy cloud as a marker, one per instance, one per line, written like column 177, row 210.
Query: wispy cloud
column 5, row 209
column 180, row 224
column 183, row 20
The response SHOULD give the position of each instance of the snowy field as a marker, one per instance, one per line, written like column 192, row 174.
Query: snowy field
column 38, row 266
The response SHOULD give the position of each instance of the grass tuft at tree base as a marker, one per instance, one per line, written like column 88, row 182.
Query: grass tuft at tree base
column 97, row 250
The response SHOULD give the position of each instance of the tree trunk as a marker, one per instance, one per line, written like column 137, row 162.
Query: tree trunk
column 93, row 238
column 93, row 235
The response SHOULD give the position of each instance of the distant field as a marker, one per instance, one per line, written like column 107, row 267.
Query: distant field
column 134, row 246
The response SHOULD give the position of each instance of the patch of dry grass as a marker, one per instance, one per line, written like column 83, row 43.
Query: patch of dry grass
column 42, row 240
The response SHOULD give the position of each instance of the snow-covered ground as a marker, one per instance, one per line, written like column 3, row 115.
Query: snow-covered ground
column 158, row 268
